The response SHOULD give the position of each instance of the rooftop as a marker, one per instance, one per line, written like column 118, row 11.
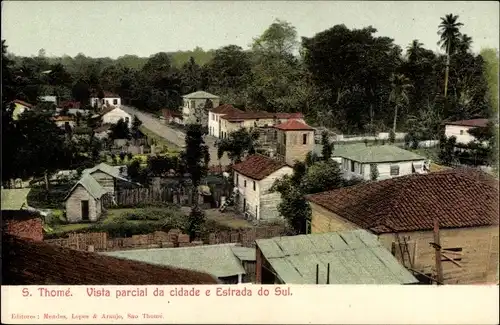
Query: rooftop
column 478, row 122
column 217, row 260
column 355, row 257
column 254, row 115
column 293, row 125
column 458, row 198
column 21, row 102
column 200, row 95
column 14, row 199
column 107, row 169
column 27, row 262
column 91, row 185
column 374, row 153
column 258, row 166
column 226, row 109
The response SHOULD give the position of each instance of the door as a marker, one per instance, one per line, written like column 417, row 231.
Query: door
column 85, row 210
column 244, row 205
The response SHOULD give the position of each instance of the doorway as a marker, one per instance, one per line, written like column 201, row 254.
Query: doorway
column 85, row 210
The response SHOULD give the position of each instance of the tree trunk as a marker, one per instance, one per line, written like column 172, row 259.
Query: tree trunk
column 395, row 119
column 447, row 70
column 46, row 181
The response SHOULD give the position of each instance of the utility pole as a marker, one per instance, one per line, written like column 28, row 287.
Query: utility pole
column 437, row 247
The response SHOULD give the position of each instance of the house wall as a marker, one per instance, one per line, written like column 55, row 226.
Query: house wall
column 479, row 247
column 106, row 181
column 290, row 146
column 62, row 124
column 115, row 115
column 227, row 127
column 18, row 110
column 260, row 203
column 384, row 169
column 74, row 205
column 192, row 106
column 115, row 101
column 460, row 132
column 214, row 121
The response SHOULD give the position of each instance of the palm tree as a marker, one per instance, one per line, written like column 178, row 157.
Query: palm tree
column 465, row 43
column 400, row 85
column 414, row 50
column 449, row 32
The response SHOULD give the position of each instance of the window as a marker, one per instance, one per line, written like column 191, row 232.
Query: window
column 193, row 105
column 115, row 101
column 237, row 179
column 352, row 166
column 451, row 253
column 304, row 138
column 461, row 132
column 284, row 138
column 254, row 185
column 394, row 170
column 244, row 183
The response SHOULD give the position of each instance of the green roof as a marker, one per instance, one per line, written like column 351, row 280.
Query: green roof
column 200, row 95
column 91, row 185
column 105, row 168
column 355, row 257
column 374, row 153
column 218, row 260
column 14, row 199
column 244, row 253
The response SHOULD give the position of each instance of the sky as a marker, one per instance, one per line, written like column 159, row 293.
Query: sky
column 116, row 28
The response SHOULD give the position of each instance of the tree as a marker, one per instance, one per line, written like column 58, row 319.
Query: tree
column 399, row 94
column 447, row 150
column 195, row 157
column 374, row 172
column 237, row 144
column 190, row 76
column 195, row 222
column 122, row 156
column 134, row 170
column 136, row 124
column 449, row 32
column 490, row 71
column 327, row 147
column 120, row 130
column 322, row 176
column 392, row 136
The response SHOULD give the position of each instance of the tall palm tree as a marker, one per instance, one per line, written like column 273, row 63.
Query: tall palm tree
column 400, row 85
column 414, row 50
column 449, row 32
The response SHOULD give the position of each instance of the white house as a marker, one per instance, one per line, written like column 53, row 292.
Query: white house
column 355, row 160
column 110, row 99
column 48, row 99
column 62, row 121
column 113, row 115
column 252, row 180
column 194, row 107
column 214, row 118
column 459, row 129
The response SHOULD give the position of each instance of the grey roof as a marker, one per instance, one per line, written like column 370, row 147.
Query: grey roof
column 218, row 260
column 355, row 257
column 14, row 199
column 91, row 185
column 374, row 153
column 105, row 168
column 200, row 95
column 244, row 253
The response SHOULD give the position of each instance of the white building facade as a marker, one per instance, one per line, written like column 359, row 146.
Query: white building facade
column 113, row 116
column 194, row 107
column 460, row 129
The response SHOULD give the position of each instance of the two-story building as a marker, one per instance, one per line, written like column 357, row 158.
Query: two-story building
column 215, row 118
column 237, row 120
column 109, row 99
column 358, row 160
column 402, row 213
column 294, row 140
column 253, row 179
column 196, row 106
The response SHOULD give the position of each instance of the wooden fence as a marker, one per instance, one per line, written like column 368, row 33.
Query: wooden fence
column 183, row 196
column 173, row 238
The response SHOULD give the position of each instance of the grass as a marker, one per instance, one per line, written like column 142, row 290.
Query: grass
column 165, row 144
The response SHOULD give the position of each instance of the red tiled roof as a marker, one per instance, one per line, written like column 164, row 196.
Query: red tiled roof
column 479, row 122
column 21, row 102
column 26, row 262
column 170, row 113
column 70, row 104
column 226, row 109
column 457, row 197
column 258, row 166
column 108, row 94
column 22, row 223
column 216, row 169
column 291, row 125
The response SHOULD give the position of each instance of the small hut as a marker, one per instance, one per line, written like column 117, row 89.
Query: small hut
column 84, row 201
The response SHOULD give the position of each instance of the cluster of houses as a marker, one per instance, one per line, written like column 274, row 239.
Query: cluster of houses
column 409, row 225
column 106, row 110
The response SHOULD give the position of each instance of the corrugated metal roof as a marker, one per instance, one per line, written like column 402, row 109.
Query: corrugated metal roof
column 105, row 168
column 14, row 199
column 374, row 153
column 355, row 257
column 218, row 260
column 91, row 185
column 244, row 253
